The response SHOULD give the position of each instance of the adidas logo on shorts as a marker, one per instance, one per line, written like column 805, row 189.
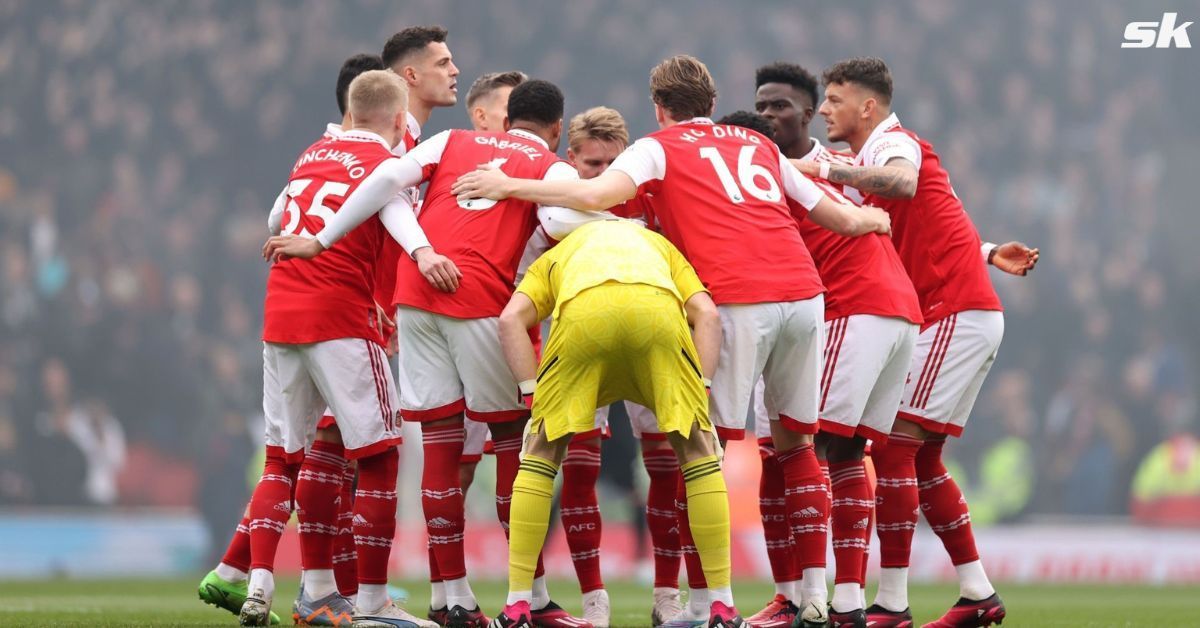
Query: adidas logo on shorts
column 360, row 520
column 808, row 513
column 862, row 524
column 439, row 522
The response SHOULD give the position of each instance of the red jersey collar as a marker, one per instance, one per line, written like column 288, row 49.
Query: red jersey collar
column 363, row 135
column 880, row 129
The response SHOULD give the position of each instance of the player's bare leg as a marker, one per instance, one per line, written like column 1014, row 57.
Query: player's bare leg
column 808, row 510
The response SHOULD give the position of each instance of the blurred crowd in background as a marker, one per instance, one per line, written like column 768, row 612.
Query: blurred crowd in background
column 142, row 144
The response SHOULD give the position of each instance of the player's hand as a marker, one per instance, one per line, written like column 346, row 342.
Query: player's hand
column 807, row 166
column 881, row 220
column 279, row 248
column 437, row 269
column 484, row 182
column 393, row 345
column 1015, row 258
column 386, row 325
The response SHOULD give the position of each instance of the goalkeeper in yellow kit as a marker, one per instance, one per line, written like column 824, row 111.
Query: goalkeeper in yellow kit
column 631, row 321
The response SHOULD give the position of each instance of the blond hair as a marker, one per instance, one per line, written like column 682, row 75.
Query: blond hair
column 683, row 86
column 598, row 123
column 377, row 96
column 487, row 84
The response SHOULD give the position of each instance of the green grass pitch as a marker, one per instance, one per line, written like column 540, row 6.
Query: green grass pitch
column 174, row 603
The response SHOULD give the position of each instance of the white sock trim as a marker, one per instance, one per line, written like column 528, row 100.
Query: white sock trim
column 229, row 573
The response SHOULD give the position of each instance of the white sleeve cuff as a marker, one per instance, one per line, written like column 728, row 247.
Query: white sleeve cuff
column 643, row 161
column 986, row 249
column 797, row 186
column 401, row 222
column 559, row 222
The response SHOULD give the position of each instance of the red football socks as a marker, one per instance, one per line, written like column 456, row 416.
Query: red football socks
column 807, row 502
column 661, row 517
column 580, row 512
column 772, row 507
column 943, row 504
column 691, row 557
column 270, row 509
column 345, row 555
column 850, row 519
column 237, row 555
column 375, row 514
column 442, row 497
column 896, row 501
column 318, row 486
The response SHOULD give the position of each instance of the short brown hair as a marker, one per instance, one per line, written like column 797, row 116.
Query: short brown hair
column 376, row 96
column 598, row 123
column 492, row 81
column 683, row 86
column 869, row 72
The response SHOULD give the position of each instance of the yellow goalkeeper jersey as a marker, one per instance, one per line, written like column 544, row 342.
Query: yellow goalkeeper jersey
column 607, row 251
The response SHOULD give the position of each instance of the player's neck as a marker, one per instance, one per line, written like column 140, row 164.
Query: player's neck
column 860, row 137
column 420, row 110
column 347, row 121
column 799, row 148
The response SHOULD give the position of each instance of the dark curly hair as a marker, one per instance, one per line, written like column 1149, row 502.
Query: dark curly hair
column 788, row 74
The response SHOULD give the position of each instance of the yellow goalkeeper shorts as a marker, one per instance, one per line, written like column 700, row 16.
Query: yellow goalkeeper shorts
column 618, row 342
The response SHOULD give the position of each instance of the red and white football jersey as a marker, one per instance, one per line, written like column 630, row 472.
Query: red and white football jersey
column 484, row 238
column 331, row 295
column 862, row 275
column 728, row 199
column 932, row 232
column 391, row 252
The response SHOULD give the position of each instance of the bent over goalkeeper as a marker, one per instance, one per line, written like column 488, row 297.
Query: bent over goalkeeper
column 631, row 321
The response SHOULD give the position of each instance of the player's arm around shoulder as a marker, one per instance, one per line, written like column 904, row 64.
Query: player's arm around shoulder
column 895, row 179
column 850, row 220
column 597, row 194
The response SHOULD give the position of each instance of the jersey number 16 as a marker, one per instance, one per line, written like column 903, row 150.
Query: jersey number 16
column 748, row 174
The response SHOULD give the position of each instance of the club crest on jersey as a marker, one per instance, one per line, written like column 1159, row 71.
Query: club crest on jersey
column 480, row 204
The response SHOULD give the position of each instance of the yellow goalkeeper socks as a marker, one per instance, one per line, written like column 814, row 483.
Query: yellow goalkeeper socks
column 708, row 516
column 529, row 520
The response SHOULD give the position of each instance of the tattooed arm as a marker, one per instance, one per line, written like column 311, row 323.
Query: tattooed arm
column 895, row 179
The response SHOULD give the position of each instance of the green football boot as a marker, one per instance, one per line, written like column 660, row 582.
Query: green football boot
column 227, row 595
